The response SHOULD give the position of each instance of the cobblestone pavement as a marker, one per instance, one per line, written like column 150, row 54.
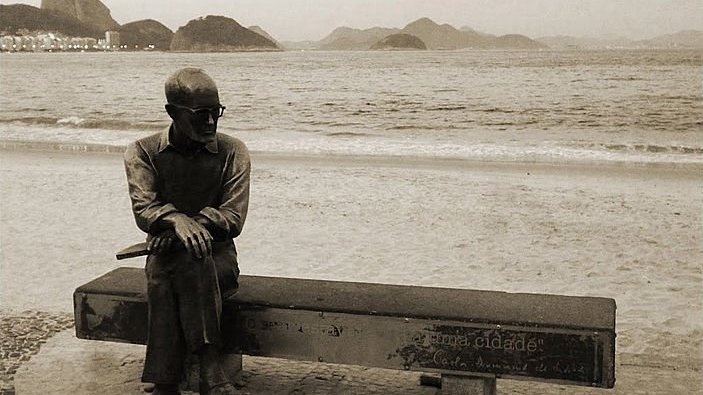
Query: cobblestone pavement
column 21, row 335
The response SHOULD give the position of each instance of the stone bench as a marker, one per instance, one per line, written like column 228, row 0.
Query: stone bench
column 468, row 337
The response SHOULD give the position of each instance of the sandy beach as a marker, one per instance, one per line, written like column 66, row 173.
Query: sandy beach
column 629, row 232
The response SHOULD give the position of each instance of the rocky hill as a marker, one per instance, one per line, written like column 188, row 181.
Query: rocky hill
column 17, row 17
column 258, row 30
column 346, row 38
column 218, row 34
column 399, row 41
column 141, row 34
column 92, row 12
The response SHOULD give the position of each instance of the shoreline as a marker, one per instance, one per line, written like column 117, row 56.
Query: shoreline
column 382, row 160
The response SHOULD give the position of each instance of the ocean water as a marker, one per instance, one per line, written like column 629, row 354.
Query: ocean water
column 624, row 106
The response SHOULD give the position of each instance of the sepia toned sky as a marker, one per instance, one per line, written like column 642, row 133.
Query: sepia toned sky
column 314, row 19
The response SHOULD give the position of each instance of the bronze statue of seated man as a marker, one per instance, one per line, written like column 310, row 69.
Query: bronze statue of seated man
column 189, row 187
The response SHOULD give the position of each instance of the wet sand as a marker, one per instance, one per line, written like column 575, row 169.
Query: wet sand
column 632, row 233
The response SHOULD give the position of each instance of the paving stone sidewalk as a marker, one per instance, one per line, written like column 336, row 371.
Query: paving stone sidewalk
column 21, row 336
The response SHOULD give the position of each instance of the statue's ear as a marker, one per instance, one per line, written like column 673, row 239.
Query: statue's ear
column 172, row 111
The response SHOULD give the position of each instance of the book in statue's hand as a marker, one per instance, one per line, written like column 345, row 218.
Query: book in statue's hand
column 139, row 249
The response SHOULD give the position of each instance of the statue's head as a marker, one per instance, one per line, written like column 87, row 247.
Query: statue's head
column 193, row 104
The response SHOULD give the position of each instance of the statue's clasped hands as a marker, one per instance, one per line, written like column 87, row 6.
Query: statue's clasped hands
column 162, row 243
column 191, row 233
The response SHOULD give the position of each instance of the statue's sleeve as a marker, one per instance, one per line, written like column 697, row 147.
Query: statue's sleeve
column 229, row 217
column 141, row 180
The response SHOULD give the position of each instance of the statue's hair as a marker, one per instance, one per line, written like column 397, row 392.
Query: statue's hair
column 182, row 85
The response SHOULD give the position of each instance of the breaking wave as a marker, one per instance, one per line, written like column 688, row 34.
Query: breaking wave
column 83, row 123
column 650, row 148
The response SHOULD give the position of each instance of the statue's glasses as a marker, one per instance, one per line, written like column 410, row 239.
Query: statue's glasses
column 203, row 112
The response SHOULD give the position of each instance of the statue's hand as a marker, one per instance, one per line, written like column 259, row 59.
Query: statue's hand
column 196, row 239
column 163, row 242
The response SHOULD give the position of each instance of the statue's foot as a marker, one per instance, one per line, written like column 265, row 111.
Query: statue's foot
column 160, row 389
column 239, row 382
column 219, row 389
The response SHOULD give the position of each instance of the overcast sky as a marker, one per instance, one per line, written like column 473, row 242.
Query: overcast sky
column 314, row 19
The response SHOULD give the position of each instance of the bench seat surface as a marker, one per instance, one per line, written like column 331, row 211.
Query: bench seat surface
column 573, row 312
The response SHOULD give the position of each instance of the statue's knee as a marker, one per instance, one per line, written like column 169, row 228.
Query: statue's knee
column 159, row 290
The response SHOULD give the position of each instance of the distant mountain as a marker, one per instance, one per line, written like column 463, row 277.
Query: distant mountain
column 683, row 39
column 218, row 34
column 15, row 17
column 518, row 41
column 445, row 36
column 448, row 37
column 471, row 30
column 346, row 38
column 399, row 41
column 300, row 45
column 92, row 12
column 258, row 30
column 561, row 42
column 570, row 42
column 347, row 44
column 433, row 35
column 141, row 34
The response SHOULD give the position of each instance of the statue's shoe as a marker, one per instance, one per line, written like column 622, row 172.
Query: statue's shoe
column 219, row 389
column 158, row 391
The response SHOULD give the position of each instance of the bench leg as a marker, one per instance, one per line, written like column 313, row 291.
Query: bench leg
column 468, row 385
column 232, row 363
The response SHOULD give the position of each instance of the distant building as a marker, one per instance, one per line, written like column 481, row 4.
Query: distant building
column 22, row 43
column 52, row 42
column 45, row 42
column 29, row 43
column 91, row 43
column 6, row 43
column 112, row 39
column 82, row 43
